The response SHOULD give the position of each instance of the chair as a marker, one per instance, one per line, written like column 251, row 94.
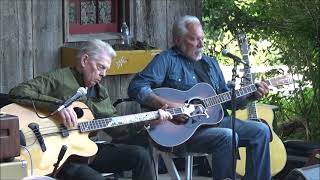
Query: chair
column 168, row 157
column 171, row 167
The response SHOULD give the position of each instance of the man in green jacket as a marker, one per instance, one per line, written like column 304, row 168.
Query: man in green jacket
column 92, row 62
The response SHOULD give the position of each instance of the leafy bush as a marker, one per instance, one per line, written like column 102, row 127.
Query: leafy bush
column 293, row 27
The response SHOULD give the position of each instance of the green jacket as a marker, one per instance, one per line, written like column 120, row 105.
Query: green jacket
column 59, row 85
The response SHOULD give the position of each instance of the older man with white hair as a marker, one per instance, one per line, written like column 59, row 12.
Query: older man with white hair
column 92, row 62
column 182, row 67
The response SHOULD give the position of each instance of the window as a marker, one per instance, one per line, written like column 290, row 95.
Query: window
column 87, row 18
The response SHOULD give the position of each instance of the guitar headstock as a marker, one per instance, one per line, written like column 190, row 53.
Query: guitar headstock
column 281, row 80
column 243, row 44
column 244, row 49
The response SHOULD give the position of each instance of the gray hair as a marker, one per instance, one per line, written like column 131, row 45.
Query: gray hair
column 94, row 48
column 180, row 25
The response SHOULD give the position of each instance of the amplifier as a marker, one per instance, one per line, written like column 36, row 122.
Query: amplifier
column 305, row 173
column 13, row 170
column 9, row 137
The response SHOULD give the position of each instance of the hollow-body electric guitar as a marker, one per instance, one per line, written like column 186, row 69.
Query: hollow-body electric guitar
column 43, row 138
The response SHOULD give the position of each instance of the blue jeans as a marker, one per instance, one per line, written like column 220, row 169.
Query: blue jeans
column 218, row 142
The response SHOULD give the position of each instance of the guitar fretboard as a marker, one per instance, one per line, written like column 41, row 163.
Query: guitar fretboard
column 175, row 111
column 123, row 120
column 224, row 97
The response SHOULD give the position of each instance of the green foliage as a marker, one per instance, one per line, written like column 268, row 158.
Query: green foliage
column 295, row 109
column 293, row 27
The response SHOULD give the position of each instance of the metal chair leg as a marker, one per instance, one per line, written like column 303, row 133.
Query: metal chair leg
column 189, row 167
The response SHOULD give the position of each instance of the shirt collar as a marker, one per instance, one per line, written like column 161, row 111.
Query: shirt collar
column 77, row 76
column 176, row 51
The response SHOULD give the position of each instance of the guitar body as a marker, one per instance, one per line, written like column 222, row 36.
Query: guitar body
column 78, row 143
column 169, row 134
column 278, row 155
column 257, row 112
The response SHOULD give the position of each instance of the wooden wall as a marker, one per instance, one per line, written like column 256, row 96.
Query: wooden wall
column 30, row 37
column 31, row 34
column 154, row 18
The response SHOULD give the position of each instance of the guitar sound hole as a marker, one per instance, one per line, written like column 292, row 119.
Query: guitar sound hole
column 196, row 101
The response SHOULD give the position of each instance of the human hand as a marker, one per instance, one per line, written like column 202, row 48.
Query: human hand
column 181, row 118
column 67, row 116
column 164, row 115
column 262, row 90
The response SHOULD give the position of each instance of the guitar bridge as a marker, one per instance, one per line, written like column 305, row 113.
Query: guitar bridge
column 64, row 130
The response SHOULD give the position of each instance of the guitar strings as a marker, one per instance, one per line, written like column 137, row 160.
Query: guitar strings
column 46, row 131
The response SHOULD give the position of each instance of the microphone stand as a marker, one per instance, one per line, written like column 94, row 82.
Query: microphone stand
column 232, row 85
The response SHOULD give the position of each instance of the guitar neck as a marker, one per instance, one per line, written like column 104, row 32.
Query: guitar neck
column 248, row 76
column 123, row 120
column 225, row 97
column 252, row 111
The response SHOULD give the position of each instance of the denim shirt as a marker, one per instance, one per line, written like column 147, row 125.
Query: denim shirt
column 172, row 69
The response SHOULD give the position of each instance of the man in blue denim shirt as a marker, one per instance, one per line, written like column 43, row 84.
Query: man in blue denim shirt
column 182, row 67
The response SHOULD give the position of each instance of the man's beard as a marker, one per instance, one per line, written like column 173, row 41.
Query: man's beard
column 197, row 55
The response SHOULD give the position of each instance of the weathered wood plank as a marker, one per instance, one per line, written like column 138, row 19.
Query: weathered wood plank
column 47, row 34
column 117, row 86
column 150, row 22
column 15, row 43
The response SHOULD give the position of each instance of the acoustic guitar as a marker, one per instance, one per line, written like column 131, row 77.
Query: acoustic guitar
column 259, row 112
column 43, row 138
column 209, row 111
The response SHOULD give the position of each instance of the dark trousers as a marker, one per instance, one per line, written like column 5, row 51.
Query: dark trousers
column 71, row 171
column 112, row 158
column 123, row 157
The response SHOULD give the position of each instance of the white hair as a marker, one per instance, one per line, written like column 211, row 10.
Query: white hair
column 180, row 25
column 94, row 48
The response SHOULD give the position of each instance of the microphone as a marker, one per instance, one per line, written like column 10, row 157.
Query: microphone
column 80, row 92
column 234, row 57
column 228, row 54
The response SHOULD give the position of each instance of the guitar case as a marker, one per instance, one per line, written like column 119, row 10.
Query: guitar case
column 299, row 153
column 300, row 148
